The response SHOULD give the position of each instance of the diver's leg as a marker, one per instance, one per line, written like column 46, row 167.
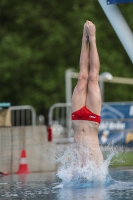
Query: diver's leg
column 80, row 91
column 93, row 101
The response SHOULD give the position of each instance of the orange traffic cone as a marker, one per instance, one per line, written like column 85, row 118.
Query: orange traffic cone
column 23, row 167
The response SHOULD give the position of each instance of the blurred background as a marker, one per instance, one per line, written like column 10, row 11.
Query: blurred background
column 40, row 43
column 40, row 40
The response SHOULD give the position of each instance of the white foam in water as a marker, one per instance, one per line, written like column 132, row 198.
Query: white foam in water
column 77, row 168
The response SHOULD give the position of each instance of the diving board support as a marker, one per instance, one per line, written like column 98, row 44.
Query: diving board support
column 120, row 26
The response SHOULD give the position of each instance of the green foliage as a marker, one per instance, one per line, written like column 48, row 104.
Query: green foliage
column 39, row 40
column 122, row 159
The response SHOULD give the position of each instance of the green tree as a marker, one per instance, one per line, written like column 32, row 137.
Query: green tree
column 39, row 40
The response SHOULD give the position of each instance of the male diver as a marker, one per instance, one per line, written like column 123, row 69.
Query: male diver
column 86, row 98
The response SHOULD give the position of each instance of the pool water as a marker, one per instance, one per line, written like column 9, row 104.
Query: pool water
column 44, row 186
column 78, row 177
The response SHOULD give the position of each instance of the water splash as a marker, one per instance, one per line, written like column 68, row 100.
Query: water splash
column 77, row 168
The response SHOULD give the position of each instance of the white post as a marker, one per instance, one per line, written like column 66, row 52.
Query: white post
column 120, row 26
column 101, row 85
column 105, row 76
column 68, row 85
column 68, row 98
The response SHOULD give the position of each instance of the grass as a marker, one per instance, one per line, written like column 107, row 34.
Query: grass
column 122, row 159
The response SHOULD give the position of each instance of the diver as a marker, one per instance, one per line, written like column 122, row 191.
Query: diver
column 86, row 98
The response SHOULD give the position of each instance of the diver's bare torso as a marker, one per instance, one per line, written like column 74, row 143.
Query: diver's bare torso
column 86, row 135
column 86, row 130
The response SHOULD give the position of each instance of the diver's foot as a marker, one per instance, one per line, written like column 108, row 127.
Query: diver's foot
column 91, row 31
column 85, row 37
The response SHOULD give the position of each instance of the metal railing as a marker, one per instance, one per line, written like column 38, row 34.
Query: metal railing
column 23, row 115
column 57, row 112
column 60, row 113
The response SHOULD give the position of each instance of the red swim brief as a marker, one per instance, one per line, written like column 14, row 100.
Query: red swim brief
column 85, row 114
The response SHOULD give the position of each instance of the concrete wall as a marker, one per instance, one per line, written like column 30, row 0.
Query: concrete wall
column 33, row 139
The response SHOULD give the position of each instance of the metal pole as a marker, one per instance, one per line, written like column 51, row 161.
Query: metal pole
column 68, row 98
column 120, row 26
column 68, row 82
column 101, row 85
column 102, row 77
